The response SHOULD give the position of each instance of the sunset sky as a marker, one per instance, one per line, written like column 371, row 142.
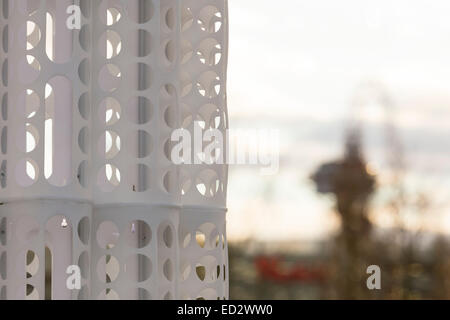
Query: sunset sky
column 295, row 65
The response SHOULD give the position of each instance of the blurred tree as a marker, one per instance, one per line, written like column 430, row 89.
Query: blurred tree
column 441, row 269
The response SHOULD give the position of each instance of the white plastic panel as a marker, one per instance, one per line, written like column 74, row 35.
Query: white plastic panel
column 39, row 240
column 45, row 102
column 204, row 47
column 136, row 98
column 203, row 255
column 135, row 253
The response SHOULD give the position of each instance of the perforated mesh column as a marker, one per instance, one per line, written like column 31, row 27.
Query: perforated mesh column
column 203, row 253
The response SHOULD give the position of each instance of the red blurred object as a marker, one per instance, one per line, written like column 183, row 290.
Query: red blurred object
column 271, row 268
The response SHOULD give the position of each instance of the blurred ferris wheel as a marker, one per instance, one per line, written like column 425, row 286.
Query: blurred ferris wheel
column 352, row 174
column 370, row 96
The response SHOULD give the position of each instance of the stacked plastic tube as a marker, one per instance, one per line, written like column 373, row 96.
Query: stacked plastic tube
column 86, row 175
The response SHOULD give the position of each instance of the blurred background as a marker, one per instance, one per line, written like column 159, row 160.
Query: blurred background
column 360, row 93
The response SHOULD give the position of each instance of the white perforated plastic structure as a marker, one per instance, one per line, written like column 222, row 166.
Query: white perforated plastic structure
column 86, row 176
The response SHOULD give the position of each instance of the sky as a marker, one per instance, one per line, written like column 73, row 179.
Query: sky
column 296, row 66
